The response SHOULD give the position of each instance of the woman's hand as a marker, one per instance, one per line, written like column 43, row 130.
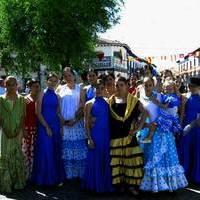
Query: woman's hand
column 49, row 131
column 91, row 144
column 62, row 121
column 152, row 126
column 133, row 132
column 70, row 123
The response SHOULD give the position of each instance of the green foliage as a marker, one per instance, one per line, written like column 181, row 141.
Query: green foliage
column 52, row 32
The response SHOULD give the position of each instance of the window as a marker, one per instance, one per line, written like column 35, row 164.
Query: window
column 190, row 64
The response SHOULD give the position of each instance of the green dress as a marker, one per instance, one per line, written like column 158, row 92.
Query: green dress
column 12, row 165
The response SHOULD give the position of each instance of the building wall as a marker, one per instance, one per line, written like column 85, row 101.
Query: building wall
column 190, row 66
column 115, row 63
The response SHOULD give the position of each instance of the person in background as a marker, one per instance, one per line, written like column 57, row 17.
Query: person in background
column 12, row 115
column 133, row 84
column 74, row 149
column 126, row 155
column 168, row 74
column 48, row 167
column 109, row 84
column 97, row 175
column 189, row 147
column 90, row 90
column 2, row 86
column 30, row 125
column 182, row 97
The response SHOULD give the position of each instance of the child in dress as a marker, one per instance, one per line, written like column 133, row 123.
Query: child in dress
column 168, row 112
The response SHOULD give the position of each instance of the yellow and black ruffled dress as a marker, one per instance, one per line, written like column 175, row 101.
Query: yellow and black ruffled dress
column 126, row 155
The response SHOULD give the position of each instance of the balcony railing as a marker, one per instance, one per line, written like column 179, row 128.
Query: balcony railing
column 109, row 62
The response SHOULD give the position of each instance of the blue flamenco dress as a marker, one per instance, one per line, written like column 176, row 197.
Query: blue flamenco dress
column 189, row 146
column 90, row 92
column 162, row 171
column 97, row 175
column 48, row 168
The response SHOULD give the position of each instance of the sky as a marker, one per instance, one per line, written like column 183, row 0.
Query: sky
column 158, row 27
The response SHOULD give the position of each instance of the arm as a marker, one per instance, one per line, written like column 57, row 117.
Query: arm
column 182, row 107
column 142, row 117
column 80, row 111
column 141, row 122
column 21, row 125
column 190, row 126
column 158, row 103
column 87, row 121
column 39, row 114
column 59, row 111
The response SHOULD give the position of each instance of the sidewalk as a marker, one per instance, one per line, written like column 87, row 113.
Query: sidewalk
column 71, row 191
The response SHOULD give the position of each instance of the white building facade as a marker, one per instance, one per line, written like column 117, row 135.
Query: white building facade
column 116, row 57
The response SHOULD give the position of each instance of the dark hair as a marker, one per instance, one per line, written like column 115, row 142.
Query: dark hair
column 3, row 77
column 110, row 74
column 102, row 76
column 100, row 82
column 51, row 75
column 92, row 71
column 69, row 69
column 122, row 79
column 148, row 78
column 32, row 82
column 168, row 71
column 149, row 67
column 134, row 74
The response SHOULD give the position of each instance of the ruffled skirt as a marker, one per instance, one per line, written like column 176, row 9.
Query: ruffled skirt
column 162, row 171
column 126, row 161
column 74, row 150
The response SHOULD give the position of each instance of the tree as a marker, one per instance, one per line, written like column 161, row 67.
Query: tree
column 52, row 32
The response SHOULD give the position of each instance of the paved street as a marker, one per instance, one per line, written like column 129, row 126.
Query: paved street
column 71, row 191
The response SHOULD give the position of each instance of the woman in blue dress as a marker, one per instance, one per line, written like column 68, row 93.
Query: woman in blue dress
column 189, row 146
column 48, row 167
column 90, row 89
column 97, row 176
column 162, row 170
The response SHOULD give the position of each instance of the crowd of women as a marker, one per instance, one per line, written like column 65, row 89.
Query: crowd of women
column 113, row 134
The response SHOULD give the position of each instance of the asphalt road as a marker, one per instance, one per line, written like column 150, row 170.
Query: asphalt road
column 71, row 191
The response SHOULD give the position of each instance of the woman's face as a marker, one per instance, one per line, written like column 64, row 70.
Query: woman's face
column 178, row 84
column 11, row 86
column 148, row 86
column 68, row 76
column 100, row 90
column 169, row 88
column 35, row 89
column 133, row 80
column 121, row 88
column 52, row 82
column 92, row 78
column 110, row 80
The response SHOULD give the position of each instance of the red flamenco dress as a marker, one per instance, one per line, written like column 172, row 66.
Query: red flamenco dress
column 30, row 137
